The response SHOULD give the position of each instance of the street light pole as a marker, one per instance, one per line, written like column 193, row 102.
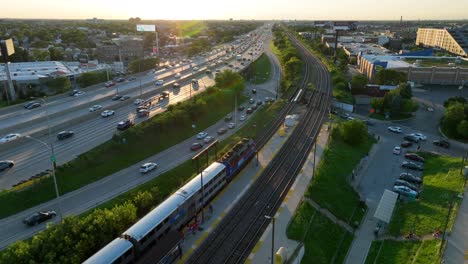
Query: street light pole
column 272, row 218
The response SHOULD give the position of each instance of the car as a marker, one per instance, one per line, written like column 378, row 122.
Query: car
column 249, row 110
column 176, row 85
column 415, row 157
column 131, row 79
column 222, row 131
column 240, row 108
column 73, row 92
column 406, row 144
column 259, row 103
column 411, row 138
column 33, row 105
column 194, row 81
column 123, row 125
column 39, row 217
column 159, row 82
column 202, row 135
column 125, row 97
column 208, row 72
column 269, row 99
column 403, row 190
column 231, row 125
column 251, row 101
column 254, row 107
column 109, row 84
column 419, row 136
column 10, row 137
column 196, row 146
column 441, row 143
column 116, row 97
column 217, row 71
column 412, row 166
column 410, row 178
column 196, row 68
column 143, row 113
column 95, row 108
column 395, row 129
column 138, row 101
column 368, row 122
column 147, row 167
column 407, row 184
column 28, row 104
column 107, row 113
column 397, row 150
column 228, row 118
column 6, row 164
column 178, row 75
column 208, row 139
column 65, row 134
column 254, row 91
column 242, row 118
column 120, row 80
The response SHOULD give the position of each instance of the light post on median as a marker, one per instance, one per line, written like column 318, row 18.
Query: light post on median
column 272, row 218
column 460, row 88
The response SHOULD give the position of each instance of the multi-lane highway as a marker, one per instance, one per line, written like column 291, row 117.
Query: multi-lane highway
column 90, row 128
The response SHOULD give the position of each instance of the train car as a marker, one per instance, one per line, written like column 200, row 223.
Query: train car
column 119, row 251
column 238, row 156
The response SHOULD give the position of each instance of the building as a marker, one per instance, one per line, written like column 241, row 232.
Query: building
column 452, row 40
column 354, row 49
column 124, row 48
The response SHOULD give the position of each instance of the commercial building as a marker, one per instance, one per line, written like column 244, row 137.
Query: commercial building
column 124, row 49
column 452, row 40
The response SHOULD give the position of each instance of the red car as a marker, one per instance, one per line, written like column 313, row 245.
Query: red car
column 415, row 157
column 196, row 146
column 222, row 130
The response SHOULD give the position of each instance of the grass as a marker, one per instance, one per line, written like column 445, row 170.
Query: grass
column 191, row 28
column 259, row 71
column 112, row 156
column 438, row 62
column 330, row 188
column 441, row 186
column 321, row 237
column 403, row 252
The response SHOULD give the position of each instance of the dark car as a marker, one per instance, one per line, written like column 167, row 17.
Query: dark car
column 254, row 107
column 441, row 143
column 143, row 113
column 6, row 164
column 116, row 97
column 406, row 144
column 407, row 184
column 240, row 108
column 228, row 118
column 28, row 104
column 259, row 102
column 72, row 93
column 415, row 157
column 123, row 125
column 254, row 91
column 411, row 138
column 410, row 178
column 411, row 166
column 196, row 146
column 125, row 97
column 39, row 217
column 120, row 80
column 249, row 110
column 33, row 105
column 222, row 130
column 64, row 135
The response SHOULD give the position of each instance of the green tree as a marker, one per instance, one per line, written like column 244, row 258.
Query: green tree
column 377, row 104
column 405, row 91
column 353, row 132
column 462, row 129
column 141, row 65
column 58, row 84
column 40, row 55
column 292, row 68
column 56, row 54
column 229, row 79
column 358, row 84
column 390, row 77
column 90, row 78
column 454, row 99
column 453, row 116
column 143, row 202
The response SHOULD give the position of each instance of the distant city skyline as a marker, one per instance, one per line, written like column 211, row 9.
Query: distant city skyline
column 241, row 9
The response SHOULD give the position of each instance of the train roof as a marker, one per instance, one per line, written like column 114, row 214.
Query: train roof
column 168, row 206
column 111, row 252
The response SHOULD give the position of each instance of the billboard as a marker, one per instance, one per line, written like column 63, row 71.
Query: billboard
column 151, row 28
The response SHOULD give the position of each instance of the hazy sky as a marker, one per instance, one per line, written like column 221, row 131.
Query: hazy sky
column 237, row 9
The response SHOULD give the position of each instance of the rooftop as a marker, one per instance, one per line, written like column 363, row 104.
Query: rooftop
column 394, row 61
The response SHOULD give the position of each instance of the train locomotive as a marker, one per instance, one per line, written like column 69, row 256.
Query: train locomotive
column 156, row 237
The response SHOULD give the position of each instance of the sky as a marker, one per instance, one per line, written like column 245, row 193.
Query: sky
column 237, row 9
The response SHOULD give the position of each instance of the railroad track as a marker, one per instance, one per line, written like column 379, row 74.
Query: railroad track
column 237, row 233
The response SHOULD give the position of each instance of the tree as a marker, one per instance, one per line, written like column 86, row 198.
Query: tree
column 353, row 132
column 454, row 115
column 377, row 104
column 292, row 68
column 89, row 78
column 454, row 99
column 462, row 129
column 358, row 84
column 40, row 55
column 56, row 54
column 230, row 79
column 390, row 77
column 392, row 101
column 58, row 84
column 141, row 65
column 405, row 91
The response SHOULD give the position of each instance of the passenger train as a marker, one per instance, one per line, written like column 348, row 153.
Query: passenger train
column 157, row 235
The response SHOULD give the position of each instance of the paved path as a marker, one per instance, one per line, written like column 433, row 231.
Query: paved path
column 329, row 215
column 457, row 244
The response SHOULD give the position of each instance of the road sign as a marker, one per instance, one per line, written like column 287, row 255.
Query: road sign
column 53, row 158
column 150, row 28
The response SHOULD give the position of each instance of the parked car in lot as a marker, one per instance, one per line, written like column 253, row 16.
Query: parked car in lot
column 147, row 167
column 411, row 138
column 231, row 125
column 407, row 184
column 95, row 108
column 123, row 125
column 109, row 84
column 125, row 97
column 116, row 97
column 65, row 134
column 395, row 129
column 242, row 118
column 406, row 144
column 222, row 131
column 410, row 178
column 28, row 104
column 397, row 150
column 196, row 146
column 107, row 113
column 39, row 217
column 32, row 105
column 419, row 136
column 403, row 190
column 6, row 164
column 159, row 82
column 412, row 166
column 208, row 139
column 441, row 143
column 10, row 137
column 415, row 157
column 202, row 135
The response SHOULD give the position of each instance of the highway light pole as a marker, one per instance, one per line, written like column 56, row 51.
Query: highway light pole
column 272, row 218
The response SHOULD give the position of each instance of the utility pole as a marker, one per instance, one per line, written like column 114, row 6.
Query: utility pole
column 7, row 49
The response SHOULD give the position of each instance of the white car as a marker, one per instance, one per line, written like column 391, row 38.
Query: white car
column 196, row 68
column 231, row 125
column 159, row 82
column 242, row 118
column 9, row 137
column 95, row 108
column 138, row 101
column 178, row 75
column 419, row 136
column 397, row 150
column 395, row 129
column 107, row 113
column 79, row 93
column 147, row 167
column 208, row 139
column 202, row 135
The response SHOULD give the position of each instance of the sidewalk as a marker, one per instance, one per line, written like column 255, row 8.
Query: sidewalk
column 262, row 250
column 457, row 244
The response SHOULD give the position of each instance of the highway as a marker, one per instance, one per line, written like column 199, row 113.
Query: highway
column 90, row 128
column 89, row 196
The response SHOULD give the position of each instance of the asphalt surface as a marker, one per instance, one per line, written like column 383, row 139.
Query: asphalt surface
column 89, row 196
column 91, row 129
